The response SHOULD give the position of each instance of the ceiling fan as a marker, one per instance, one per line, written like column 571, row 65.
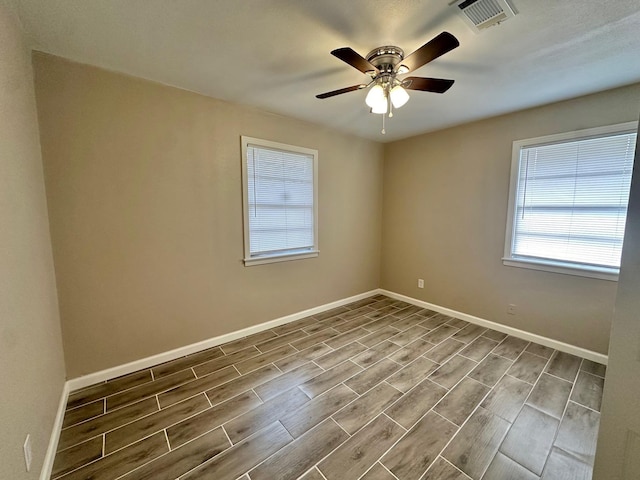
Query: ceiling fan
column 386, row 64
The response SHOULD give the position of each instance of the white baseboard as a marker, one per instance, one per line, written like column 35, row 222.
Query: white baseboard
column 50, row 456
column 114, row 372
column 531, row 337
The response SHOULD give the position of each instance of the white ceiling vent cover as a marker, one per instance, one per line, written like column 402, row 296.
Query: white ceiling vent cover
column 481, row 14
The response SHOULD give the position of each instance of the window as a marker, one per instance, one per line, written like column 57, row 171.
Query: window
column 568, row 201
column 280, row 201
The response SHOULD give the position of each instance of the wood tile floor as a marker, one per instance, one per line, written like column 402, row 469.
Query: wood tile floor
column 376, row 390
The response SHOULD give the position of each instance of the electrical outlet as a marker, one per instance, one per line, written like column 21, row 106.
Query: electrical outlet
column 511, row 309
column 27, row 452
column 420, row 283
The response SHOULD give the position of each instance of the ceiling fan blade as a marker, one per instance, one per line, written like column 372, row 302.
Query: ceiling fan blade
column 353, row 58
column 436, row 85
column 443, row 43
column 333, row 93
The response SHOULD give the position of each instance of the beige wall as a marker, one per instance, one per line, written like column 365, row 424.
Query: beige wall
column 444, row 217
column 31, row 360
column 144, row 190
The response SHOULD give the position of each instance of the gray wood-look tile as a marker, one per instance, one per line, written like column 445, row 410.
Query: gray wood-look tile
column 412, row 351
column 374, row 354
column 122, row 461
column 378, row 472
column 379, row 336
column 315, row 338
column 361, row 411
column 298, row 359
column 173, row 464
column 479, row 348
column 281, row 340
column 490, row 370
column 302, row 324
column 406, row 337
column 233, row 462
column 413, row 405
column 476, row 443
column 99, row 425
column 407, row 311
column 550, row 395
column 564, row 365
column 578, row 432
column 562, row 466
column 143, row 427
column 105, row 389
column 240, row 384
column 310, row 475
column 527, row 367
column 593, row 368
column 211, row 418
column 405, row 323
column 412, row 374
column 530, row 439
column 329, row 379
column 507, row 397
column 244, row 342
column 77, row 456
column 435, row 321
column 288, row 380
column 82, row 413
column 355, row 456
column 372, row 376
column 452, row 372
column 540, row 350
column 263, row 359
column 312, row 413
column 503, row 467
column 356, row 312
column 469, row 333
column 283, row 403
column 360, row 321
column 461, row 401
column 511, row 347
column 264, row 415
column 148, row 389
column 440, row 334
column 338, row 356
column 458, row 323
column 297, row 457
column 330, row 313
column 443, row 470
column 494, row 335
column 588, row 390
column 194, row 387
column 444, row 351
column 189, row 361
column 222, row 362
column 348, row 337
column 416, row 451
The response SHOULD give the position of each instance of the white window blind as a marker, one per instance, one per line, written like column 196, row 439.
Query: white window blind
column 280, row 201
column 571, row 200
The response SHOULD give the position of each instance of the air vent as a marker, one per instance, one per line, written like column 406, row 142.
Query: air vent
column 481, row 14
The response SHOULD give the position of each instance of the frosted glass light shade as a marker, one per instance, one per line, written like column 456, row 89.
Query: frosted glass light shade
column 381, row 107
column 399, row 96
column 375, row 97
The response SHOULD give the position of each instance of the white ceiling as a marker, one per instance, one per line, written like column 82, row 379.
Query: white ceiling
column 274, row 54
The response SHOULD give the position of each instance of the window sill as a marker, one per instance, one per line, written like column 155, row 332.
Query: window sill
column 564, row 268
column 285, row 257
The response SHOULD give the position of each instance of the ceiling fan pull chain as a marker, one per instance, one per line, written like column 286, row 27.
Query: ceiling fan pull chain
column 383, row 130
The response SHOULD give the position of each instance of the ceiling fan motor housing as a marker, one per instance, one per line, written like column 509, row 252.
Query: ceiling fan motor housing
column 386, row 58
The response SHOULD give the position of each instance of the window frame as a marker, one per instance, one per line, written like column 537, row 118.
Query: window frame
column 250, row 260
column 549, row 265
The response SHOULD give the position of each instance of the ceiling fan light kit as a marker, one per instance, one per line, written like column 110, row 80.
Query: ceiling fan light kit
column 385, row 65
